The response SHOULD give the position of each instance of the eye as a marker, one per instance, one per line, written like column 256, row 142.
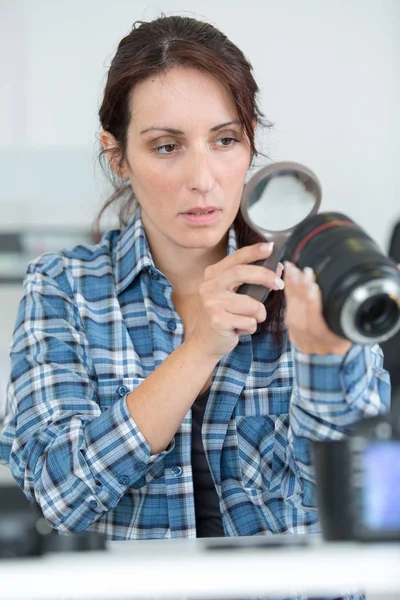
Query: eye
column 165, row 149
column 227, row 141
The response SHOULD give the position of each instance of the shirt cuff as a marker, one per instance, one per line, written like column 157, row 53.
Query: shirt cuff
column 116, row 450
column 332, row 373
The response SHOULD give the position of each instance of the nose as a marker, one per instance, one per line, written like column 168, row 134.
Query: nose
column 200, row 173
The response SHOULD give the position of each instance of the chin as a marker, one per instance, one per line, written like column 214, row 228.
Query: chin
column 205, row 240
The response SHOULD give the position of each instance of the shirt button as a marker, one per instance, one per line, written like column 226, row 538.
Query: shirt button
column 98, row 488
column 177, row 471
column 122, row 390
column 140, row 466
column 93, row 504
column 349, row 369
column 171, row 325
column 124, row 480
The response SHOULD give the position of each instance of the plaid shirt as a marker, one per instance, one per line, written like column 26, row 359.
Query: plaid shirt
column 96, row 321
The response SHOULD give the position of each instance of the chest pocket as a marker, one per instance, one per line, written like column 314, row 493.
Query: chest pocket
column 262, row 422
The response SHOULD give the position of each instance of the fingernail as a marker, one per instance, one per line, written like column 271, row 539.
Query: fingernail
column 280, row 284
column 288, row 266
column 292, row 272
column 308, row 275
column 313, row 290
column 281, row 266
column 269, row 246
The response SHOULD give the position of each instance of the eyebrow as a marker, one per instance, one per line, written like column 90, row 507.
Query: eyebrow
column 179, row 132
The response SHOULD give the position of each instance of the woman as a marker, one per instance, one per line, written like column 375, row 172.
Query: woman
column 147, row 398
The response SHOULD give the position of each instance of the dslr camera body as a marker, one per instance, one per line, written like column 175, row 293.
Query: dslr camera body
column 358, row 482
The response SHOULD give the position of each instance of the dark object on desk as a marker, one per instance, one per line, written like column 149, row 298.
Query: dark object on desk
column 24, row 531
column 358, row 482
column 391, row 348
column 257, row 542
column 18, row 533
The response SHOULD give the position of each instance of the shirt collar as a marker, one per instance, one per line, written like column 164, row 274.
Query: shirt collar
column 131, row 254
column 232, row 241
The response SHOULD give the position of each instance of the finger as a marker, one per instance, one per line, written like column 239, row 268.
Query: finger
column 292, row 283
column 226, row 323
column 297, row 290
column 280, row 270
column 322, row 335
column 245, row 325
column 297, row 280
column 310, row 288
column 304, row 300
column 244, row 332
column 311, row 291
column 296, row 314
column 239, row 304
column 252, row 274
column 314, row 310
column 245, row 255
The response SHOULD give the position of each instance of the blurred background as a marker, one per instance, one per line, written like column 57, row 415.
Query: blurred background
column 329, row 78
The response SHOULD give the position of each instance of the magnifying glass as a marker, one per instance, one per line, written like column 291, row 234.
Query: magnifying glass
column 275, row 200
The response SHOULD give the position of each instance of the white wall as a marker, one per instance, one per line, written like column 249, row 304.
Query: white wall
column 329, row 74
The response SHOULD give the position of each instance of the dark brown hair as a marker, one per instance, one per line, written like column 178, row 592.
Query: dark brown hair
column 155, row 47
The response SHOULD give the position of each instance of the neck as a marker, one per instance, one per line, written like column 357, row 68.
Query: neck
column 184, row 267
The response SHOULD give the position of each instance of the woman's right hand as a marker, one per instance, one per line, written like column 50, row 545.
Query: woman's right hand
column 224, row 314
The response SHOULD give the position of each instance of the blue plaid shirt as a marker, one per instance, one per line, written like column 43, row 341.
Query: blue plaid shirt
column 93, row 323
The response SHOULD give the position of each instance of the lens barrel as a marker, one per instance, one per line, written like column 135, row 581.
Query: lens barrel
column 360, row 286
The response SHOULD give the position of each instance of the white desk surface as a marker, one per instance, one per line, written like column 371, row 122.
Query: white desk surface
column 184, row 568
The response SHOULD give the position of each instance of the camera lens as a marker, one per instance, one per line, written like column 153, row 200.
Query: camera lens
column 360, row 286
column 377, row 315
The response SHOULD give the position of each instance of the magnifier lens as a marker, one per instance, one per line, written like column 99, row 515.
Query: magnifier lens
column 275, row 200
column 281, row 201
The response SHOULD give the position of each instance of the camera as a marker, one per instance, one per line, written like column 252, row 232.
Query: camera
column 358, row 481
column 360, row 286
column 357, row 478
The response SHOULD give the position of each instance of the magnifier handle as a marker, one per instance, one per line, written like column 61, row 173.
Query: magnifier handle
column 259, row 292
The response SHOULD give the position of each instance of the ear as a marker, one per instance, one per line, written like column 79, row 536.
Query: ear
column 112, row 150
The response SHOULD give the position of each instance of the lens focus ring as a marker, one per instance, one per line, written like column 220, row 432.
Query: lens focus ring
column 378, row 322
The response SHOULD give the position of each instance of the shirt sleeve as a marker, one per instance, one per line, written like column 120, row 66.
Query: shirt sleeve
column 74, row 460
column 330, row 394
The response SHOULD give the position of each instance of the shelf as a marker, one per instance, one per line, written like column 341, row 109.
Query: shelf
column 17, row 249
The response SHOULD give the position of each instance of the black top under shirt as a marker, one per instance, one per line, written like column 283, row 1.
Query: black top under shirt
column 208, row 514
column 206, row 501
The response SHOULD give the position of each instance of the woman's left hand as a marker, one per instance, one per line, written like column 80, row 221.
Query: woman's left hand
column 306, row 325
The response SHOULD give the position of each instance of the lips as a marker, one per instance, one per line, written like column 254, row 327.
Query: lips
column 201, row 216
column 200, row 210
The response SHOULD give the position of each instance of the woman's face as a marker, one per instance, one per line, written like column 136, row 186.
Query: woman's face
column 187, row 157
